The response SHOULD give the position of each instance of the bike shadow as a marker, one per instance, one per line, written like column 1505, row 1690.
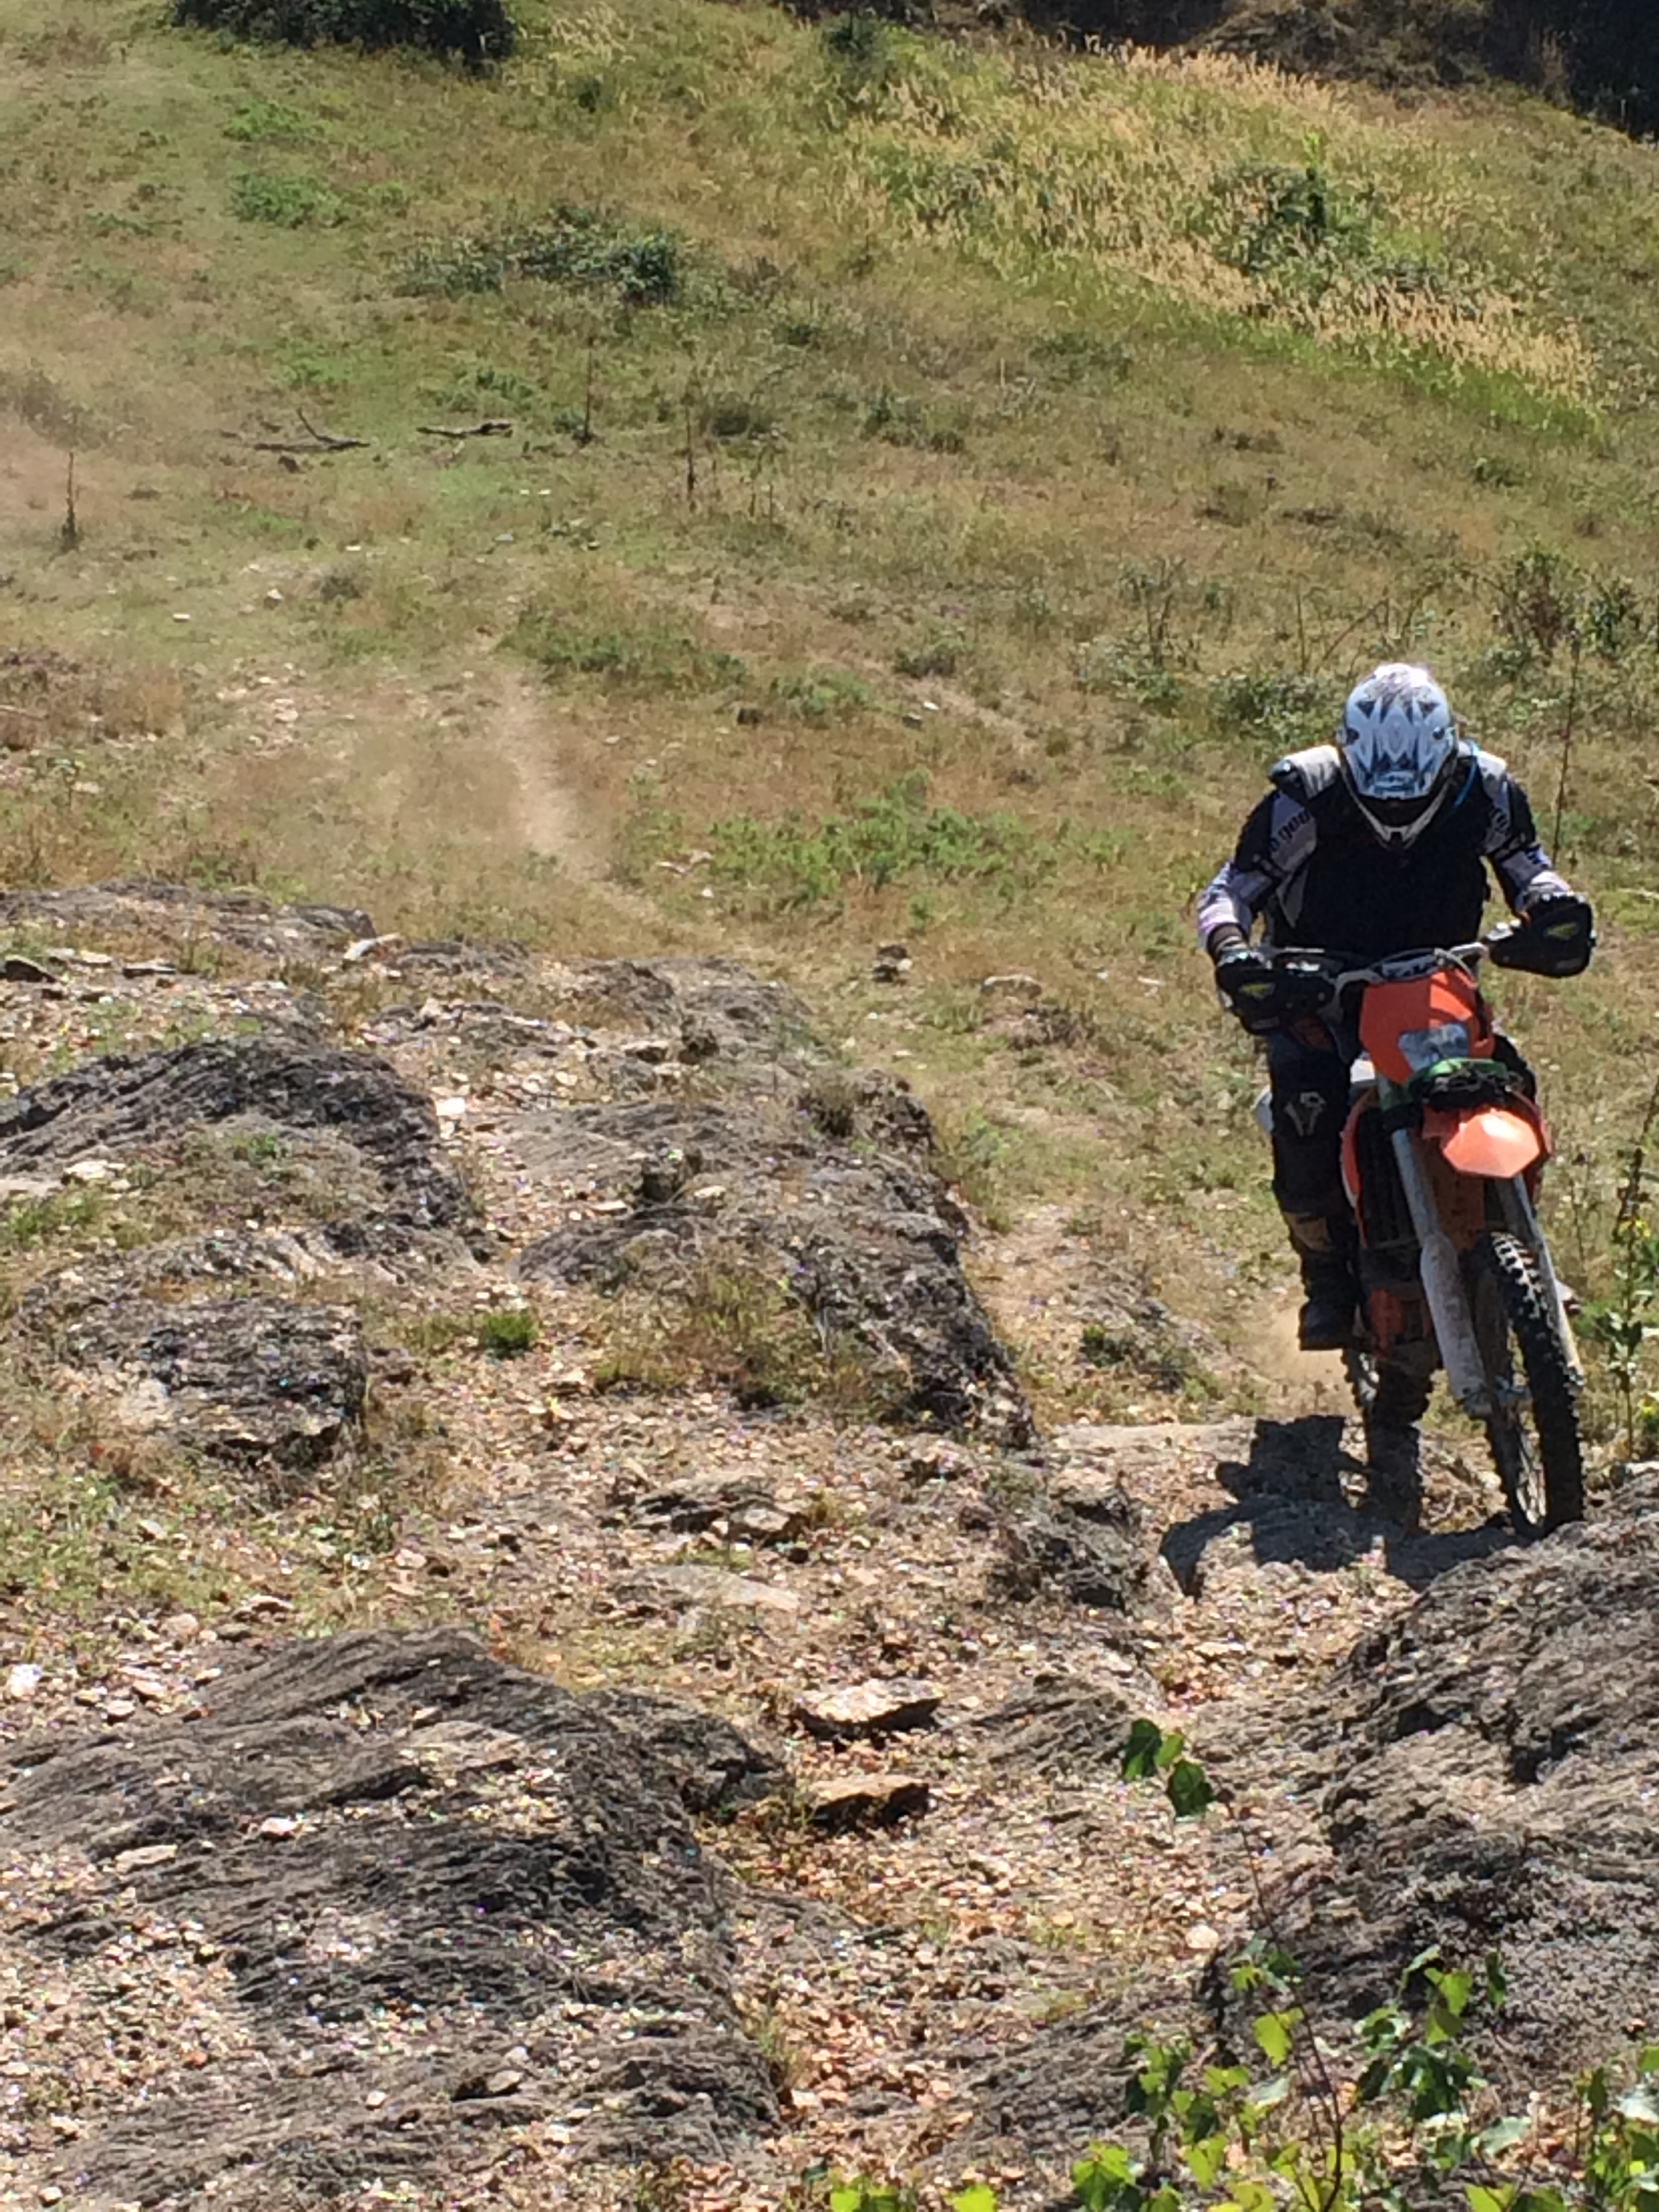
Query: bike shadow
column 1293, row 1494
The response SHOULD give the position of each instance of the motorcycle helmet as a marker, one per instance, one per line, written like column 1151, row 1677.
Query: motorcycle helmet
column 1398, row 744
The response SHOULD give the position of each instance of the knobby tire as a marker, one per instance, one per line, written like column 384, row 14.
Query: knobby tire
column 1538, row 1448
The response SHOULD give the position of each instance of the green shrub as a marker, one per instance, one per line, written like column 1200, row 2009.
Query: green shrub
column 1298, row 235
column 580, row 246
column 878, row 842
column 290, row 203
column 816, row 694
column 271, row 120
column 900, row 422
column 1273, row 708
column 936, row 652
column 477, row 31
column 645, row 656
column 507, row 1331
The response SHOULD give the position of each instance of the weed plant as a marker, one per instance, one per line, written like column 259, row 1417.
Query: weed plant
column 477, row 30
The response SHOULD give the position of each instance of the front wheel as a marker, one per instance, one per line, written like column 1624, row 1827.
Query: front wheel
column 1533, row 1427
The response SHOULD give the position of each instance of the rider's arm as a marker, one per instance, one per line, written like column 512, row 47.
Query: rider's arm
column 1518, row 860
column 1276, row 841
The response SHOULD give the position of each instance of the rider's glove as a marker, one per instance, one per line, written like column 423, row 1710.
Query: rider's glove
column 1556, row 935
column 1251, row 985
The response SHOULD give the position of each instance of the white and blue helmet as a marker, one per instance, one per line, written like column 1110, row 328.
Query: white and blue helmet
column 1398, row 743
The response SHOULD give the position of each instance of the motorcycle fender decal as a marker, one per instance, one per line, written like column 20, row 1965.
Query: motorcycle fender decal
column 1493, row 1141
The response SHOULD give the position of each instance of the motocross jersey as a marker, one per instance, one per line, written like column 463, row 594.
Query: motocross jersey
column 1313, row 870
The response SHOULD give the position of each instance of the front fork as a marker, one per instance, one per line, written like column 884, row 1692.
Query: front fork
column 1443, row 1278
column 1522, row 1218
column 1442, row 1284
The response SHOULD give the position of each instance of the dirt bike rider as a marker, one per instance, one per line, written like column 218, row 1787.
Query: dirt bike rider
column 1373, row 845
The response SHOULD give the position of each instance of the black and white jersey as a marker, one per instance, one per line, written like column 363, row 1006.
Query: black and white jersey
column 1313, row 870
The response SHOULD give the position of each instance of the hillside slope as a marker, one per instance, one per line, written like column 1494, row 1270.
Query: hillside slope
column 479, row 556
column 937, row 479
column 1594, row 54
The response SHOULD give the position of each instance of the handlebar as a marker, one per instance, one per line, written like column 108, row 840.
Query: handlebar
column 1332, row 967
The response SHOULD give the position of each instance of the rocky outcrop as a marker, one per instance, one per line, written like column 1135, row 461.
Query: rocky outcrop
column 435, row 1897
column 1489, row 1767
column 829, row 1193
column 251, row 1380
column 180, row 914
column 125, row 1107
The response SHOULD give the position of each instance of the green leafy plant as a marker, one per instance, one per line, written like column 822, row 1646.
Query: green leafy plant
column 1418, row 2123
column 477, row 31
column 1625, row 1323
column 864, row 2196
column 584, row 248
column 289, row 202
column 507, row 1331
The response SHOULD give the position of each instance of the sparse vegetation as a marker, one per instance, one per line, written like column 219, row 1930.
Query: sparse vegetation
column 507, row 1331
column 731, row 1325
column 580, row 246
column 476, row 30
column 881, row 841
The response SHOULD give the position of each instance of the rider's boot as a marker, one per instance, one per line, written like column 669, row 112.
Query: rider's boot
column 1329, row 1282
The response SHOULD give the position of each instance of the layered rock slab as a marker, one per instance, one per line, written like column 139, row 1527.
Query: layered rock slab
column 1491, row 1773
column 429, row 1897
column 836, row 1202
column 128, row 1105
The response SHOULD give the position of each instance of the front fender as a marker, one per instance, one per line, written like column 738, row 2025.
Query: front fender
column 1496, row 1141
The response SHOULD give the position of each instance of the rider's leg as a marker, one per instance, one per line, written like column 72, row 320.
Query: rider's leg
column 1309, row 1105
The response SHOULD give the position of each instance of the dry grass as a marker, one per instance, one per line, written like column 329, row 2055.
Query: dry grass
column 961, row 360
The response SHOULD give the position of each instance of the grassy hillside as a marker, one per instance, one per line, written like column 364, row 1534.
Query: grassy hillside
column 940, row 477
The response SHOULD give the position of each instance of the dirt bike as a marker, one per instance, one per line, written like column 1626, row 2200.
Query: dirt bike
column 1441, row 1155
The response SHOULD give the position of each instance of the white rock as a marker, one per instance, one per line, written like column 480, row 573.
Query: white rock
column 23, row 1680
column 91, row 1171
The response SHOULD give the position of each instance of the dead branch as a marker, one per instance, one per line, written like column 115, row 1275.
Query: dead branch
column 314, row 441
column 494, row 429
column 328, row 443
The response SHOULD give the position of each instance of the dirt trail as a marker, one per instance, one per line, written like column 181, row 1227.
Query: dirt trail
column 524, row 729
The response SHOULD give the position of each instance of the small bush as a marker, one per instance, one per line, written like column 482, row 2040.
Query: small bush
column 477, row 31
column 900, row 422
column 1273, row 708
column 733, row 416
column 879, row 841
column 1073, row 355
column 936, row 652
column 817, row 694
column 272, row 121
column 648, row 656
column 580, row 246
column 290, row 203
column 861, row 62
column 341, row 583
column 831, row 1103
column 507, row 1331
